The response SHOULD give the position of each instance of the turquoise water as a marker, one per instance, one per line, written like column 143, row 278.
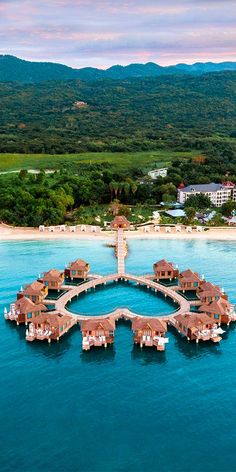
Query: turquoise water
column 119, row 409
column 106, row 299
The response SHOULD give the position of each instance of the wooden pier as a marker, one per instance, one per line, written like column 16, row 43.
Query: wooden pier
column 121, row 251
column 182, row 305
column 202, row 325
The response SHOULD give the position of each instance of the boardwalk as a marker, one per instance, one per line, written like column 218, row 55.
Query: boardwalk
column 59, row 319
column 121, row 251
column 60, row 305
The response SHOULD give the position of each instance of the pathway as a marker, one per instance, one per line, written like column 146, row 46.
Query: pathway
column 60, row 304
column 121, row 251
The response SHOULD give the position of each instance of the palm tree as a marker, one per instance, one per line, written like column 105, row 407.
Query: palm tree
column 134, row 188
column 116, row 188
column 111, row 189
column 126, row 187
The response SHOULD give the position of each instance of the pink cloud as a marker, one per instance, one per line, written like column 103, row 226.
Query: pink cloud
column 104, row 32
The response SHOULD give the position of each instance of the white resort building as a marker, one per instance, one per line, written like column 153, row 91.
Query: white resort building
column 217, row 193
column 158, row 173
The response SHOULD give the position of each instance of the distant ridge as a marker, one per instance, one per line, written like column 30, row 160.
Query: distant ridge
column 13, row 69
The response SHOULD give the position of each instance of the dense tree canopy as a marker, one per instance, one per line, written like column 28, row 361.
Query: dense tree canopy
column 171, row 113
column 197, row 202
column 118, row 115
column 33, row 199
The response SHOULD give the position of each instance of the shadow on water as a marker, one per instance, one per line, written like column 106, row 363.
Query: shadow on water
column 122, row 322
column 54, row 350
column 98, row 355
column 148, row 355
column 191, row 350
column 20, row 330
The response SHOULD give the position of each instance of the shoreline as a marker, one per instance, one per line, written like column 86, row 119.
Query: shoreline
column 8, row 233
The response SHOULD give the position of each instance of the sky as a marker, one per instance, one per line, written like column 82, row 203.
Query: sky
column 101, row 33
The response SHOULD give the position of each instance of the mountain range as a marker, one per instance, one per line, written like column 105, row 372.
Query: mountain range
column 13, row 69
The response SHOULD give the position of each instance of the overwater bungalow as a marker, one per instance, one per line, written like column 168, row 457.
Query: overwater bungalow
column 204, row 285
column 49, row 326
column 78, row 269
column 97, row 333
column 24, row 311
column 150, row 332
column 165, row 270
column 221, row 311
column 189, row 280
column 208, row 292
column 198, row 326
column 36, row 292
column 120, row 222
column 208, row 296
column 53, row 279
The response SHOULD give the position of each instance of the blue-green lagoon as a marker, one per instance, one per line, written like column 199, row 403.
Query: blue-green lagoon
column 106, row 299
column 120, row 409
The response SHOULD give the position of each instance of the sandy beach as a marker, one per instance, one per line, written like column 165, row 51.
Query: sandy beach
column 8, row 233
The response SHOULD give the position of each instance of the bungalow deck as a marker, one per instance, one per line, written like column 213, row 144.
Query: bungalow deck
column 200, row 306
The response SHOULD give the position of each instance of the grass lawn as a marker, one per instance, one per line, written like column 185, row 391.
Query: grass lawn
column 149, row 159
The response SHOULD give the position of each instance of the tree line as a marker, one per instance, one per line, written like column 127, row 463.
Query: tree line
column 119, row 115
column 30, row 200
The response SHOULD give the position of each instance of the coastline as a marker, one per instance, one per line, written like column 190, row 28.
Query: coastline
column 8, row 233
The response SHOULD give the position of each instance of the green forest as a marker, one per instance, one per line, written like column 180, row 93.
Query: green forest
column 80, row 192
column 180, row 113
column 101, row 139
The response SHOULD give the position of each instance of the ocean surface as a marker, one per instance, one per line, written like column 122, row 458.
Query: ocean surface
column 106, row 299
column 120, row 409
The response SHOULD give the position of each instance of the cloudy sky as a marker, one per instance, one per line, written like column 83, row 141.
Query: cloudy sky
column 101, row 33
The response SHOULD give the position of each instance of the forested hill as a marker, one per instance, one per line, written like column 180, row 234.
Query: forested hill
column 128, row 115
column 15, row 69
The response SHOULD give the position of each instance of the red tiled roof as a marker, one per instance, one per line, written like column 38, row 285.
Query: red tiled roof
column 120, row 220
column 53, row 275
column 79, row 264
column 194, row 320
column 189, row 276
column 163, row 265
column 207, row 286
column 212, row 292
column 35, row 288
column 52, row 319
column 149, row 323
column 105, row 324
column 217, row 306
column 25, row 305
